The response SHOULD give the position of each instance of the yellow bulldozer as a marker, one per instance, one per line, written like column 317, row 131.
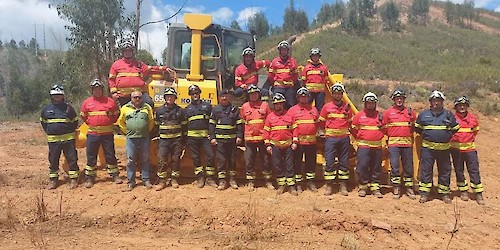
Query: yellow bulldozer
column 206, row 54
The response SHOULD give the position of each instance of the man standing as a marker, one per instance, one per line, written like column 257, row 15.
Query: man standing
column 172, row 121
column 304, row 117
column 463, row 151
column 254, row 113
column 398, row 123
column 283, row 73
column 136, row 121
column 278, row 134
column 335, row 118
column 198, row 116
column 436, row 125
column 315, row 78
column 366, row 128
column 59, row 122
column 247, row 73
column 100, row 113
column 226, row 132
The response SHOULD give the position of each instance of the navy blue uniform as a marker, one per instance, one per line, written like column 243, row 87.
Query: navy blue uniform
column 198, row 115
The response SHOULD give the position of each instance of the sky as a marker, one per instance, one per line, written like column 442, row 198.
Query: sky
column 26, row 19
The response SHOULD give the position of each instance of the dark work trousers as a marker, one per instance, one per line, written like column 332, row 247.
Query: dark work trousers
column 69, row 151
column 318, row 98
column 253, row 150
column 336, row 147
column 195, row 145
column 282, row 159
column 94, row 142
column 369, row 167
column 309, row 151
column 226, row 151
column 405, row 154
column 289, row 94
column 470, row 158
column 427, row 158
column 169, row 153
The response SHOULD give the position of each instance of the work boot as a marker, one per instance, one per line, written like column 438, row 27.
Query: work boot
column 270, row 185
column 362, row 192
column 52, row 184
column 293, row 190
column 464, row 195
column 250, row 186
column 201, row 181
column 298, row 187
column 343, row 188
column 211, row 182
column 281, row 190
column 423, row 198
column 73, row 183
column 410, row 193
column 233, row 183
column 148, row 184
column 329, row 189
column 161, row 185
column 174, row 182
column 89, row 182
column 311, row 186
column 129, row 187
column 480, row 199
column 117, row 179
column 378, row 194
column 446, row 199
column 395, row 193
column 222, row 184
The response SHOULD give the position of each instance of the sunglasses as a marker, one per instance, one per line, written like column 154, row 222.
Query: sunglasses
column 137, row 97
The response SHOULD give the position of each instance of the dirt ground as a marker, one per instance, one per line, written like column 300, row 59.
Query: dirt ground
column 191, row 218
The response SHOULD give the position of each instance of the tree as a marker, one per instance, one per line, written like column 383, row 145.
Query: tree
column 1, row 45
column 367, row 8
column 22, row 44
column 146, row 57
column 259, row 25
column 419, row 11
column 338, row 10
column 235, row 25
column 325, row 14
column 33, row 46
column 13, row 44
column 295, row 21
column 390, row 16
column 355, row 21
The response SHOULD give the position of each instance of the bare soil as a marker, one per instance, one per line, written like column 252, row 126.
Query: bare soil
column 191, row 218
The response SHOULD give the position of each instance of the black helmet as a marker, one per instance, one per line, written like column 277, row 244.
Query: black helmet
column 398, row 93
column 193, row 89
column 462, row 99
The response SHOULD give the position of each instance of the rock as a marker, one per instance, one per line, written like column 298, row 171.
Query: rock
column 381, row 225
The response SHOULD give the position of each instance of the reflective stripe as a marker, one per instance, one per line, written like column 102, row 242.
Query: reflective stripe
column 467, row 130
column 106, row 113
column 170, row 136
column 122, row 74
column 225, row 136
column 54, row 175
column 290, row 181
column 247, row 76
column 334, row 115
column 400, row 140
column 281, row 144
column 281, row 181
column 310, row 176
column 101, row 129
column 283, row 83
column 298, row 177
column 442, row 189
column 170, row 126
column 462, row 186
column 198, row 133
column 198, row 170
column 314, row 72
column 221, row 174
column 162, row 175
column 373, row 144
column 424, row 187
column 463, row 145
column 436, row 145
column 197, row 117
column 220, row 126
column 112, row 169
column 240, row 121
column 363, row 186
column 254, row 138
column 477, row 188
column 90, row 171
column 282, row 127
column 366, row 127
column 396, row 180
column 255, row 121
column 278, row 71
column 328, row 176
column 398, row 124
column 59, row 120
column 305, row 121
column 61, row 138
column 307, row 138
column 375, row 186
column 435, row 127
column 343, row 175
column 335, row 131
column 73, row 174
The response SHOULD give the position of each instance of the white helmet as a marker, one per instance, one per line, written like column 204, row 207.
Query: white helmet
column 57, row 90
column 370, row 97
column 437, row 94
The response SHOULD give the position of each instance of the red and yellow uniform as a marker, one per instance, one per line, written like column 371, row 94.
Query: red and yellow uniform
column 315, row 76
column 126, row 76
column 246, row 75
column 283, row 73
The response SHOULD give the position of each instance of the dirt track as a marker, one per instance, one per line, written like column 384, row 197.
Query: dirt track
column 105, row 217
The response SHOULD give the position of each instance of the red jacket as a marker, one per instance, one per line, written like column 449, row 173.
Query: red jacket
column 283, row 73
column 366, row 128
column 100, row 113
column 336, row 120
column 278, row 130
column 398, row 125
column 254, row 115
column 126, row 76
column 463, row 140
column 315, row 77
column 305, row 126
column 244, row 75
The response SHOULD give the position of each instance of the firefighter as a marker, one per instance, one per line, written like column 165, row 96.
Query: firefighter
column 136, row 122
column 59, row 121
column 100, row 113
column 254, row 113
column 278, row 132
column 335, row 118
column 366, row 129
column 463, row 150
column 172, row 123
column 436, row 126
column 304, row 117
column 398, row 122
column 198, row 116
column 247, row 74
column 226, row 132
column 315, row 78
column 283, row 73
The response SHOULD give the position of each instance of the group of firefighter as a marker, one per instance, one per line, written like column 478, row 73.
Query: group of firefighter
column 283, row 137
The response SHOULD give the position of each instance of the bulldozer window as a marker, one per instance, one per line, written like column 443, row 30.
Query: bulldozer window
column 182, row 52
column 233, row 46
